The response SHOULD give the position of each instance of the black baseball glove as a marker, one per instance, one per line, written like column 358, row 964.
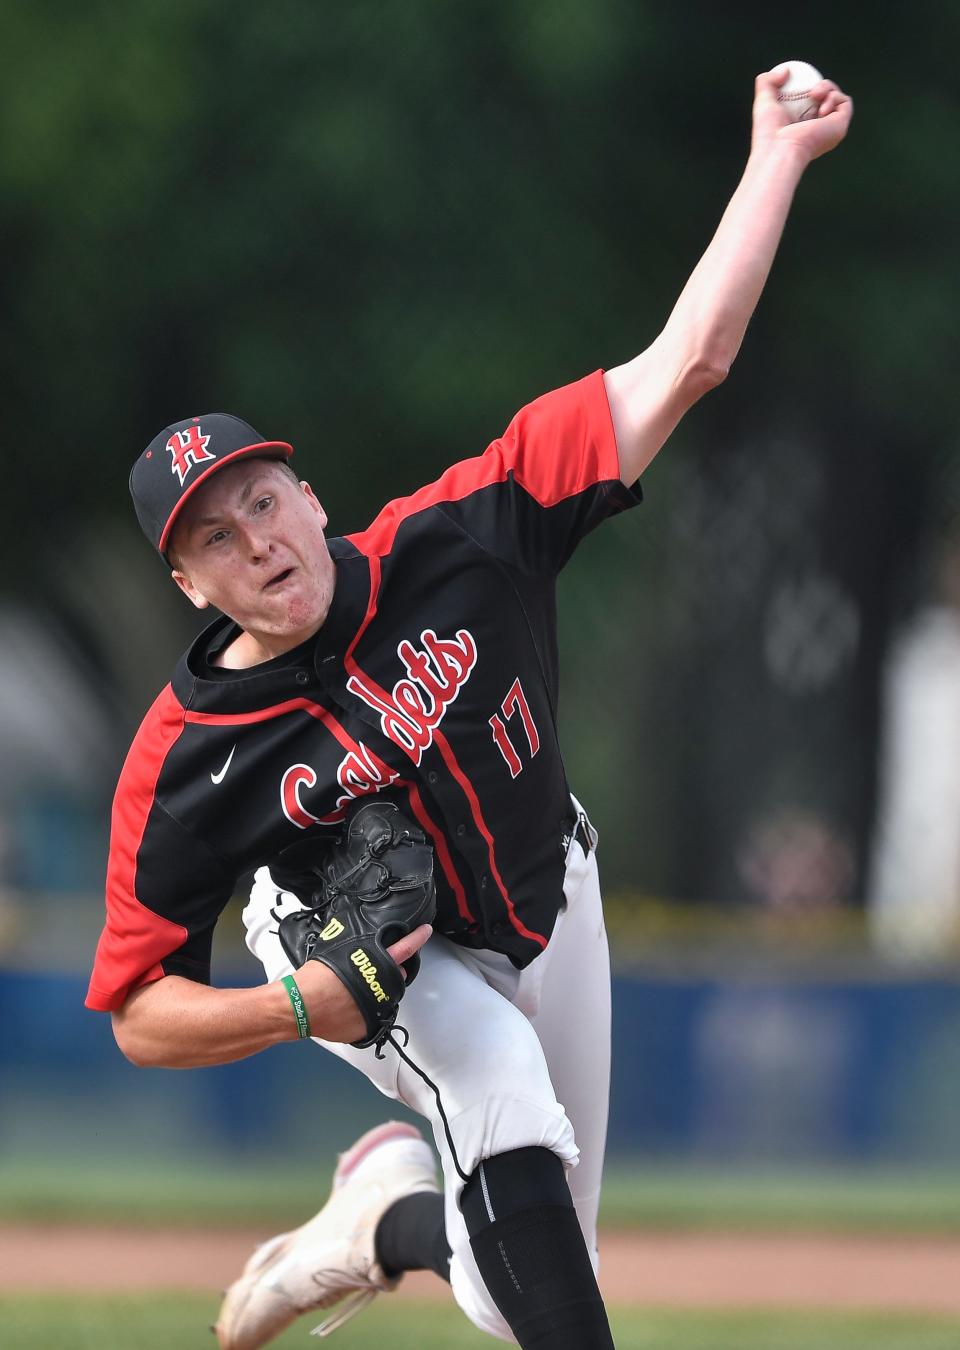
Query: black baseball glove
column 376, row 886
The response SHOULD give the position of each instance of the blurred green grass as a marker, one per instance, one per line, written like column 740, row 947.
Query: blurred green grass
column 39, row 1321
column 167, row 1192
column 862, row 1200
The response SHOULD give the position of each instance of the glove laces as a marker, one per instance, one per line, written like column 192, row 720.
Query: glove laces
column 380, row 1052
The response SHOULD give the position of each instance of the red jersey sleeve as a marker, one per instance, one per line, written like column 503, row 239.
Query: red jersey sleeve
column 536, row 491
column 164, row 890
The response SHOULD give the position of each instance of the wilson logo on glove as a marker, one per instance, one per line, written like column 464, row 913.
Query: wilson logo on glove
column 375, row 886
column 369, row 972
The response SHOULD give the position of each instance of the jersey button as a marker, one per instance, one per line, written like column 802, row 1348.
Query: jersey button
column 498, row 928
column 432, row 776
column 461, row 830
column 483, row 882
column 302, row 677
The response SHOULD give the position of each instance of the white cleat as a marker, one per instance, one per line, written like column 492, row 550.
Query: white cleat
column 330, row 1260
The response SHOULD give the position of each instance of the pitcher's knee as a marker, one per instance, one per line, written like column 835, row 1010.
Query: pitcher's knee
column 502, row 1124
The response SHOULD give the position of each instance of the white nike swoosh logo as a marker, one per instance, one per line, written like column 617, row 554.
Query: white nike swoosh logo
column 219, row 777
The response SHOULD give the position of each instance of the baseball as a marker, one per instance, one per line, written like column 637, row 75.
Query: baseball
column 795, row 92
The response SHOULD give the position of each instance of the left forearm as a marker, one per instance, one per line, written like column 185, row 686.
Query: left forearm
column 650, row 394
column 709, row 320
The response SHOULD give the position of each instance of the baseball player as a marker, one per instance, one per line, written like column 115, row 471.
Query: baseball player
column 388, row 701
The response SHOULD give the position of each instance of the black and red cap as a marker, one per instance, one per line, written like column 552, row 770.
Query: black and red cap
column 183, row 456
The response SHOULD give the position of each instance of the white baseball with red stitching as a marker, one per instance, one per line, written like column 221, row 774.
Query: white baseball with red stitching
column 795, row 92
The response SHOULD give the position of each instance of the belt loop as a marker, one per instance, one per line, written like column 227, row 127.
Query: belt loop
column 580, row 830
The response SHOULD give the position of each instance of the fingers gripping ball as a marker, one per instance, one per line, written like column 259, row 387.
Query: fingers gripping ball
column 377, row 886
column 794, row 93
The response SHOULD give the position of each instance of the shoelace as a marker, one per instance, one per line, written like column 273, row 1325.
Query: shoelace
column 346, row 1308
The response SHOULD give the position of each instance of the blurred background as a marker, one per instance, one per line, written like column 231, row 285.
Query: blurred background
column 376, row 230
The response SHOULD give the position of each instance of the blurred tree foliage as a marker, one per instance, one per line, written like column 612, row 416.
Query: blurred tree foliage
column 376, row 229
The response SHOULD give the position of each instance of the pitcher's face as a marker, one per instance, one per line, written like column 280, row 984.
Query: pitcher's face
column 251, row 542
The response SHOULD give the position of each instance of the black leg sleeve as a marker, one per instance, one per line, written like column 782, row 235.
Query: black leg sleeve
column 530, row 1251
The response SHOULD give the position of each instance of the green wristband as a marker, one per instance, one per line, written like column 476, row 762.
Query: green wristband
column 299, row 1011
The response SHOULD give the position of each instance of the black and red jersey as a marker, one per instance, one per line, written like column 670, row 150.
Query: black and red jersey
column 434, row 678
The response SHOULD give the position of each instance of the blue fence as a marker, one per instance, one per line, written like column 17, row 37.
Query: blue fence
column 719, row 1068
column 787, row 1070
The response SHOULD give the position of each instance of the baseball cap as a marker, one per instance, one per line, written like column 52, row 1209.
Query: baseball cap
column 183, row 456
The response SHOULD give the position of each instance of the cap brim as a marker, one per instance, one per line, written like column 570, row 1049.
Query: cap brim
column 261, row 449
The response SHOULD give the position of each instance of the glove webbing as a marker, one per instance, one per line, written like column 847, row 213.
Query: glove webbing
column 370, row 854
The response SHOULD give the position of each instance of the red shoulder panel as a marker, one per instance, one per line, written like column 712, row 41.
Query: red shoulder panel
column 557, row 446
column 135, row 940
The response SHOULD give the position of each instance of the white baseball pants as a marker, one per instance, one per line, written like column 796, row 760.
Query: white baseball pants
column 520, row 1058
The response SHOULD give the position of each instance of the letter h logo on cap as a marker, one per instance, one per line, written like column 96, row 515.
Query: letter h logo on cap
column 187, row 448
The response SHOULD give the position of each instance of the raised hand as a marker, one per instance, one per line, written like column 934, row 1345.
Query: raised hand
column 772, row 123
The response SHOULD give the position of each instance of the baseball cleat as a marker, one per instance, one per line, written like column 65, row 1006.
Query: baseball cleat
column 330, row 1261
